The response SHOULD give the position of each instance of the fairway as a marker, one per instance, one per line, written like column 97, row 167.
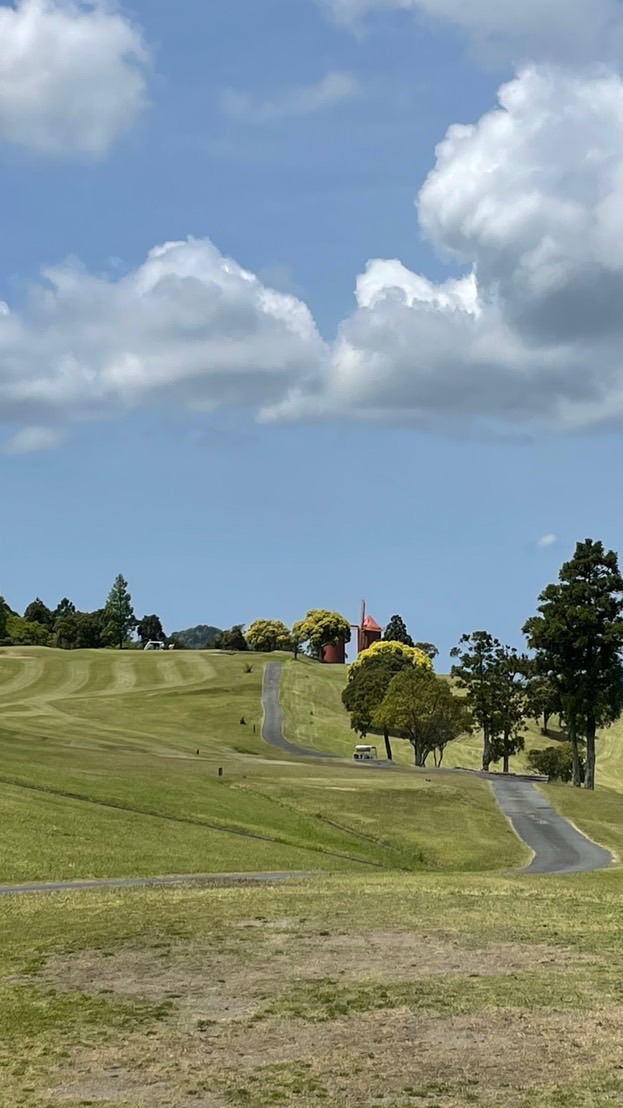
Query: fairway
column 412, row 969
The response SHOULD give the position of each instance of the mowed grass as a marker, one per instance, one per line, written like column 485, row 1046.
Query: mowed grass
column 412, row 970
column 109, row 767
column 347, row 990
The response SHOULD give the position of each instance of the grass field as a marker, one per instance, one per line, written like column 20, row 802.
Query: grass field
column 412, row 970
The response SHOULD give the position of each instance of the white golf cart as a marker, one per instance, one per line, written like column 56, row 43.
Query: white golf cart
column 365, row 754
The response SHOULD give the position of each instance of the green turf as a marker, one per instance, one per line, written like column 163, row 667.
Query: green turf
column 100, row 777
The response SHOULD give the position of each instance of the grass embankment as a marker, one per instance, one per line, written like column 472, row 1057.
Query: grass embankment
column 436, row 991
column 100, row 777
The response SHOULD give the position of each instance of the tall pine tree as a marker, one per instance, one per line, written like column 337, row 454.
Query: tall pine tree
column 578, row 641
column 119, row 613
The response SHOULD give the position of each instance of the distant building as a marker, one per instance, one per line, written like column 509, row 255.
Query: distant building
column 368, row 630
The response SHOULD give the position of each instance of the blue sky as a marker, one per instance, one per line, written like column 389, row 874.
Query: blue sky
column 417, row 460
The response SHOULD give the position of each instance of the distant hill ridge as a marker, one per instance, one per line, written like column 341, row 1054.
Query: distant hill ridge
column 197, row 638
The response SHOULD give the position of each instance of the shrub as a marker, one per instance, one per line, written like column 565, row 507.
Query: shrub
column 555, row 762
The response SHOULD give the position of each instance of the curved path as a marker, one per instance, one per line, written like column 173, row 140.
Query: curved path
column 150, row 882
column 557, row 845
column 272, row 727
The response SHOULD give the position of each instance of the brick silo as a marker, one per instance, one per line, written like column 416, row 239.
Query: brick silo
column 335, row 653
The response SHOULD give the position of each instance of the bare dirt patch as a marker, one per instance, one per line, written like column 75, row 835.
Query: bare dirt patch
column 227, row 981
column 220, row 1046
column 394, row 1058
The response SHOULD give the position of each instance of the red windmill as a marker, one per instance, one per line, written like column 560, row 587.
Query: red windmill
column 368, row 630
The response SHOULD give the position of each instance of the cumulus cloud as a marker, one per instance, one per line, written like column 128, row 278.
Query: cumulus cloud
column 529, row 201
column 558, row 30
column 72, row 76
column 289, row 103
column 189, row 328
column 546, row 541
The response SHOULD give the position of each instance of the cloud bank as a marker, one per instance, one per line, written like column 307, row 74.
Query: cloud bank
column 527, row 204
column 72, row 76
column 536, row 30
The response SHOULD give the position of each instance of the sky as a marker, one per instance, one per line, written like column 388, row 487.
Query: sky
column 305, row 301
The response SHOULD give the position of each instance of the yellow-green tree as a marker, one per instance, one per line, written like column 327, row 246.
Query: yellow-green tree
column 383, row 649
column 321, row 628
column 267, row 635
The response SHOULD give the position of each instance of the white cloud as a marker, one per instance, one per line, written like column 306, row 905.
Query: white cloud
column 72, row 76
column 546, row 541
column 189, row 329
column 530, row 200
column 32, row 439
column 289, row 103
column 533, row 29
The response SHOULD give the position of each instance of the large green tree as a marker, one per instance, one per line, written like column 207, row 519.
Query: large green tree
column 21, row 632
column 233, row 639
column 423, row 709
column 268, row 635
column 474, row 672
column 149, row 629
column 396, row 631
column 322, row 628
column 38, row 612
column 510, row 704
column 366, row 689
column 119, row 613
column 578, row 640
column 427, row 648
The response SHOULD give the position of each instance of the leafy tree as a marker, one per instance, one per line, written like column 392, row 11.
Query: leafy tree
column 396, row 631
column 119, row 613
column 81, row 631
column 65, row 608
column 510, row 700
column 543, row 700
column 427, row 648
column 196, row 638
column 578, row 640
column 390, row 649
column 4, row 615
column 422, row 707
column 38, row 612
column 232, row 640
column 367, row 687
column 23, row 633
column 267, row 635
column 477, row 655
column 296, row 637
column 149, row 629
column 322, row 628
column 555, row 762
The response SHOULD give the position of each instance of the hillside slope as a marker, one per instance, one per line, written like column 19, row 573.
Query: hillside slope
column 109, row 767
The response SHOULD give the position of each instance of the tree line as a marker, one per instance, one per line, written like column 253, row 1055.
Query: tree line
column 572, row 669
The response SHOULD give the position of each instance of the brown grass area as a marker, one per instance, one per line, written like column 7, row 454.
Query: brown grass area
column 226, row 1042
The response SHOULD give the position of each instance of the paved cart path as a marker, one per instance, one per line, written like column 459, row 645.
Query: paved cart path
column 557, row 845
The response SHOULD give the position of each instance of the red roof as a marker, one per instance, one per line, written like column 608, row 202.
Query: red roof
column 371, row 624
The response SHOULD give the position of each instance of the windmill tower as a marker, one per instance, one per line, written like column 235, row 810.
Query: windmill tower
column 368, row 630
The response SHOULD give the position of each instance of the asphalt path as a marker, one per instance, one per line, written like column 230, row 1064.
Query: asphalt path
column 557, row 845
column 272, row 728
column 222, row 879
